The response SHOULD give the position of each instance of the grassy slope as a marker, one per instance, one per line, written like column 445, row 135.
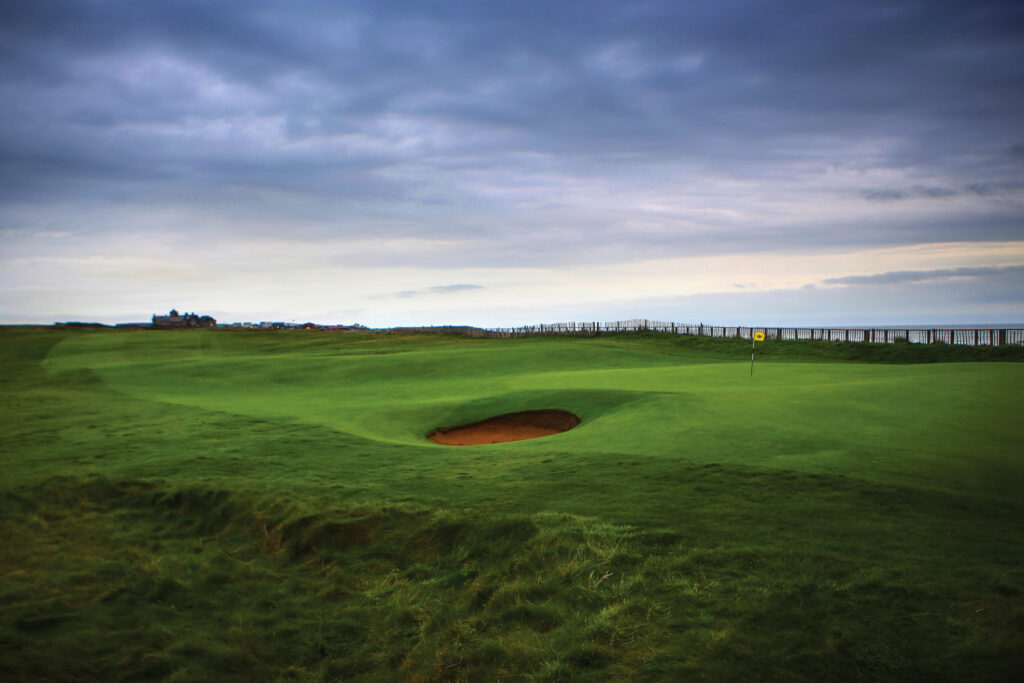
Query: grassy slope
column 240, row 504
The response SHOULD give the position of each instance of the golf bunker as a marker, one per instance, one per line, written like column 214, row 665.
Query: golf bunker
column 527, row 424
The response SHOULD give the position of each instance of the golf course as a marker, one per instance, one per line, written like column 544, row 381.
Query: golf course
column 199, row 505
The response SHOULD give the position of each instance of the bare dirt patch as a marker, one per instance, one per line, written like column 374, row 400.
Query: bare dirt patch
column 527, row 424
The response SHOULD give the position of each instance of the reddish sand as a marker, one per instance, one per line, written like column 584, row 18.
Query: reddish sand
column 529, row 424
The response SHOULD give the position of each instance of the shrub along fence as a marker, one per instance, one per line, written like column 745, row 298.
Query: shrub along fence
column 972, row 337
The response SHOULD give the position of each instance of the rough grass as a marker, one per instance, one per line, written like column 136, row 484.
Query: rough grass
column 182, row 507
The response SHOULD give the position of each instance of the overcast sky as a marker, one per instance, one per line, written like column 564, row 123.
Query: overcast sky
column 500, row 163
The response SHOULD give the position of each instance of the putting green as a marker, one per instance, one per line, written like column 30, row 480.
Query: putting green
column 937, row 425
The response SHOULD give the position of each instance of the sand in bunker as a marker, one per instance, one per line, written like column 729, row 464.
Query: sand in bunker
column 528, row 424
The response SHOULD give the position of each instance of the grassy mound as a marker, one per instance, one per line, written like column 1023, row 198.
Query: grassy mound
column 126, row 579
column 201, row 505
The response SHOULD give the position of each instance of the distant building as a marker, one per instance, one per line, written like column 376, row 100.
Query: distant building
column 175, row 319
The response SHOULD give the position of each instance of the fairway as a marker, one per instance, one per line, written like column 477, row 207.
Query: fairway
column 208, row 504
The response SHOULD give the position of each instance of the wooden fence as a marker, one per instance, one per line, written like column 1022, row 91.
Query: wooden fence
column 973, row 337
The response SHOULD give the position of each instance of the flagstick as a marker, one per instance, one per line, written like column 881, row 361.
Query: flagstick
column 751, row 353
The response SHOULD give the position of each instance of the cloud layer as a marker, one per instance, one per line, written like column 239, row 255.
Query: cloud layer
column 445, row 136
column 902, row 276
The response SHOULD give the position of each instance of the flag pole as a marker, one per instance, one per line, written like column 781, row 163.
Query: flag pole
column 751, row 353
column 754, row 337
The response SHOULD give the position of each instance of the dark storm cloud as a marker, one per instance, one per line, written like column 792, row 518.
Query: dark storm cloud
column 918, row 191
column 422, row 114
column 934, row 192
column 903, row 276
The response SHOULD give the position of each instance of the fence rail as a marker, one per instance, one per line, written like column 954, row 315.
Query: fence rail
column 972, row 337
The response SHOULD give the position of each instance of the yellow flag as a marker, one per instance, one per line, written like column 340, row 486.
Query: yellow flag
column 759, row 336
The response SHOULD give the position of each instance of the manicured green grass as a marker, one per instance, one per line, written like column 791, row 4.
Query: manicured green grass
column 198, row 505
